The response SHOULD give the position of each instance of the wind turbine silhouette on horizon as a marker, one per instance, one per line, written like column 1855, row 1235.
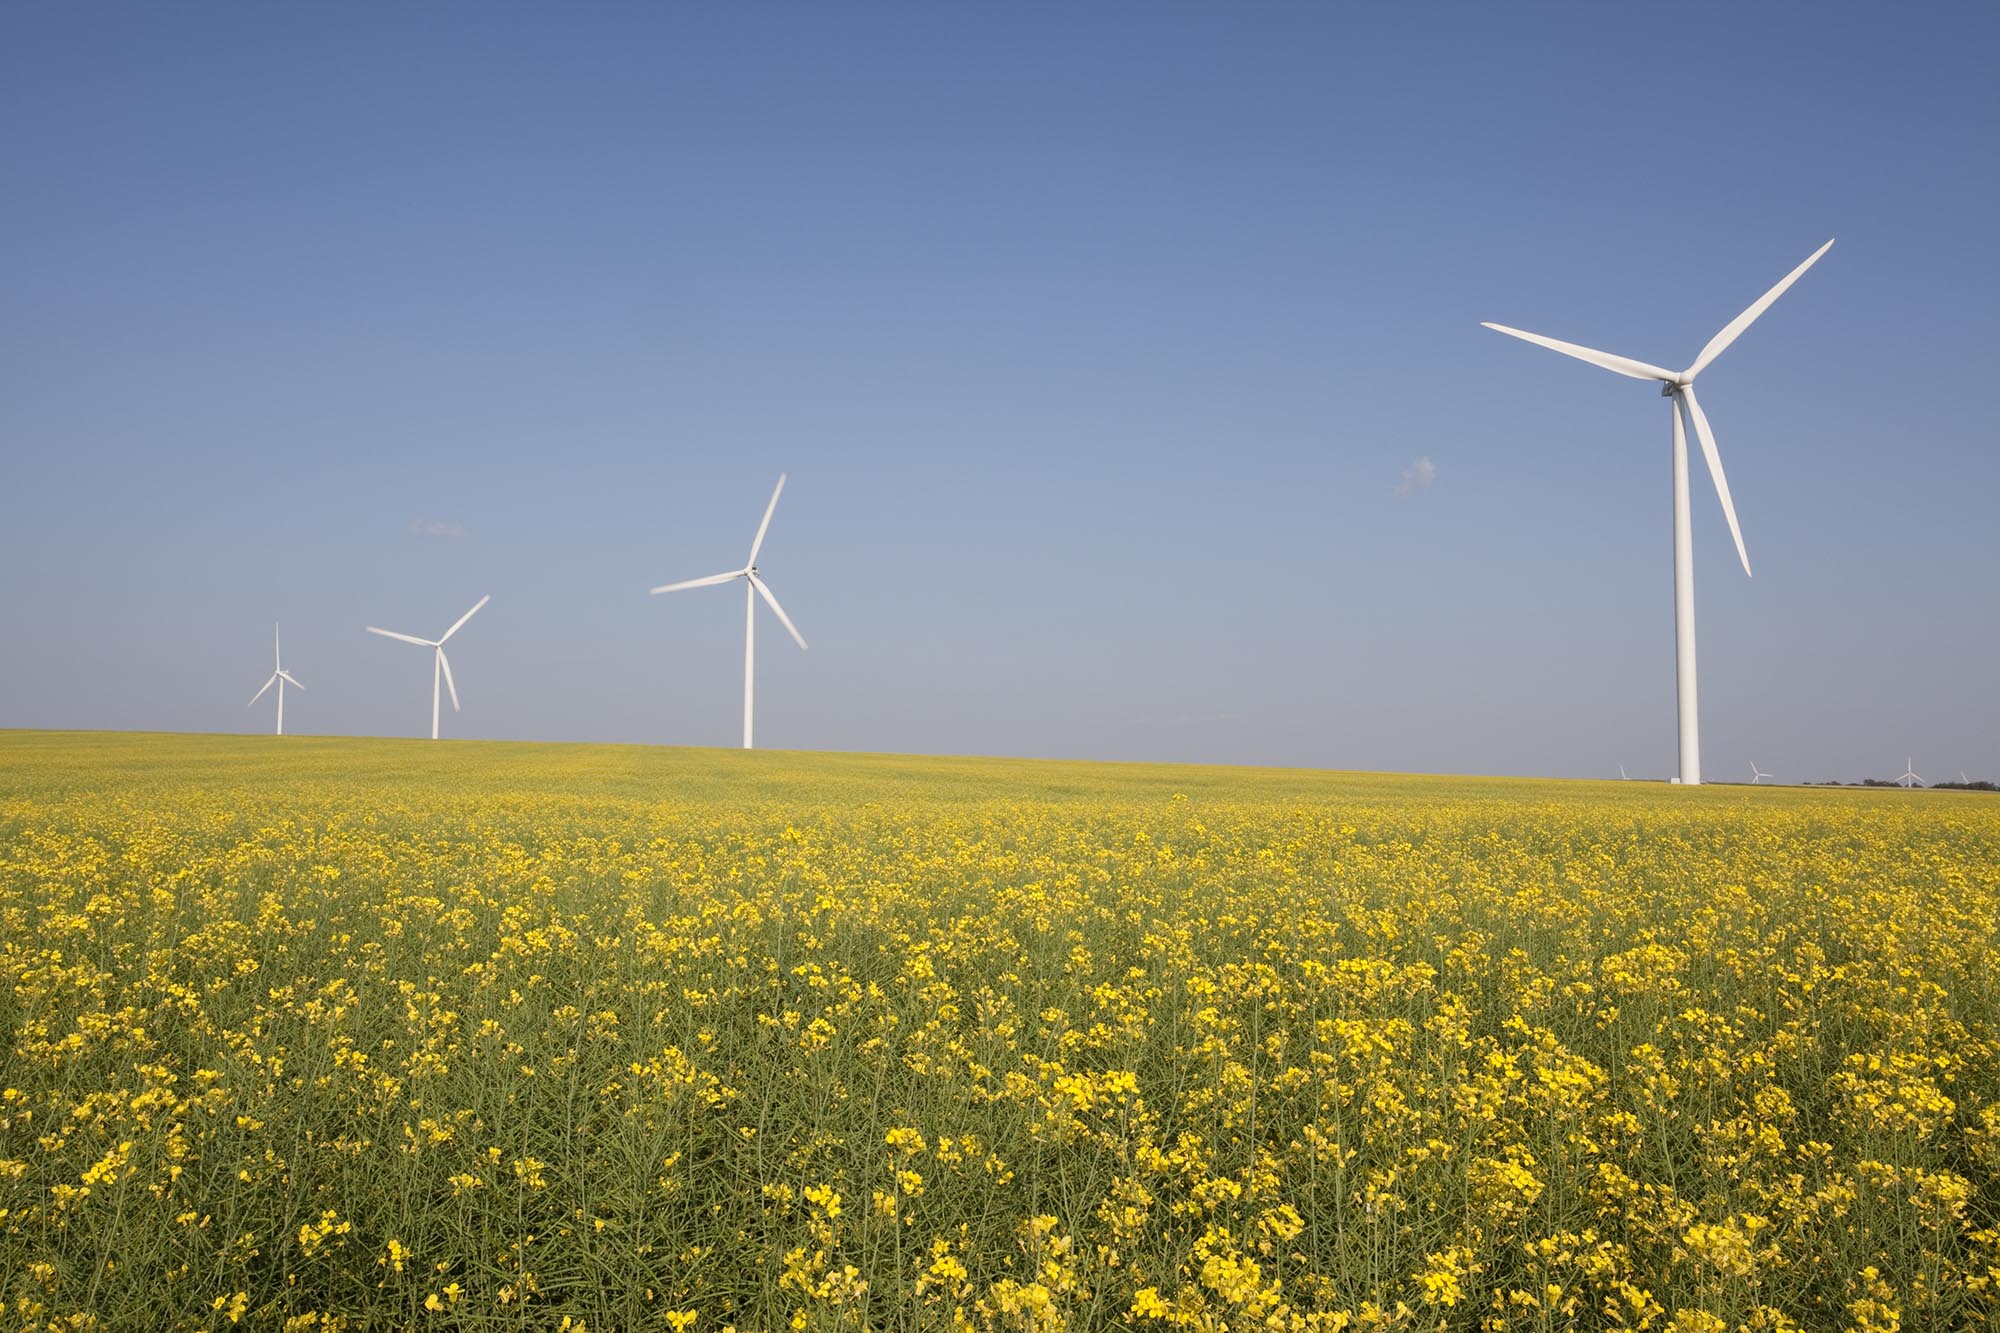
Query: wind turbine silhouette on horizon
column 756, row 588
column 441, row 668
column 1678, row 386
column 279, row 677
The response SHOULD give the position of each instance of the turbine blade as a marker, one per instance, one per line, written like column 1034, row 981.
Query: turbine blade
column 1623, row 365
column 769, row 509
column 406, row 638
column 445, row 662
column 700, row 583
column 291, row 680
column 277, row 659
column 1708, row 451
column 467, row 616
column 260, row 694
column 1734, row 328
column 765, row 593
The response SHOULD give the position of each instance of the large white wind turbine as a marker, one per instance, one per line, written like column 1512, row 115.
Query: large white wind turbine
column 279, row 677
column 751, row 593
column 442, row 668
column 1757, row 775
column 1679, row 387
column 1909, row 778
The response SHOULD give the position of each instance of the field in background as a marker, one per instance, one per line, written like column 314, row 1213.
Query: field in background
column 331, row 1033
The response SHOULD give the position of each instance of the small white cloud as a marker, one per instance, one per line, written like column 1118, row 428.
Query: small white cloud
column 435, row 528
column 1417, row 476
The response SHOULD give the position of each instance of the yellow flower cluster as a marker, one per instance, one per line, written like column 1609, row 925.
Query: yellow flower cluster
column 337, row 1034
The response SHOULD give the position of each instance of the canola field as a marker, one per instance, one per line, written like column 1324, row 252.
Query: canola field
column 327, row 1034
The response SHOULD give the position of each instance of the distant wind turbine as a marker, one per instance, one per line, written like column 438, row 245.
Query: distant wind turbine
column 1679, row 387
column 1909, row 778
column 279, row 677
column 751, row 593
column 1756, row 775
column 442, row 668
column 1621, row 774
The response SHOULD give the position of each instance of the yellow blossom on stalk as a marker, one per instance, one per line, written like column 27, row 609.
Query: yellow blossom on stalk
column 1441, row 1281
column 945, row 1272
column 314, row 1236
column 1697, row 1321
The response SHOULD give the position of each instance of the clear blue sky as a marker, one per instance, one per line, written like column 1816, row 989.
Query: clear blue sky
column 1096, row 341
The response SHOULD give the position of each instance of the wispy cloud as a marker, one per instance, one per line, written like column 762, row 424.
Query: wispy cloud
column 435, row 528
column 1417, row 476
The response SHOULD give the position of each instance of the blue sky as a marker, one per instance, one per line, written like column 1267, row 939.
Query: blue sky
column 1095, row 340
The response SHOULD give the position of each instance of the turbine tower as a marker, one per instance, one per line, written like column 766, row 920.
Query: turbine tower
column 441, row 668
column 279, row 677
column 1678, row 386
column 755, row 589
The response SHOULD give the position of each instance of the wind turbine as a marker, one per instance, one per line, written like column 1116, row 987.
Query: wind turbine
column 442, row 668
column 1756, row 775
column 1621, row 774
column 279, row 677
column 751, row 593
column 1678, row 386
column 1909, row 778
